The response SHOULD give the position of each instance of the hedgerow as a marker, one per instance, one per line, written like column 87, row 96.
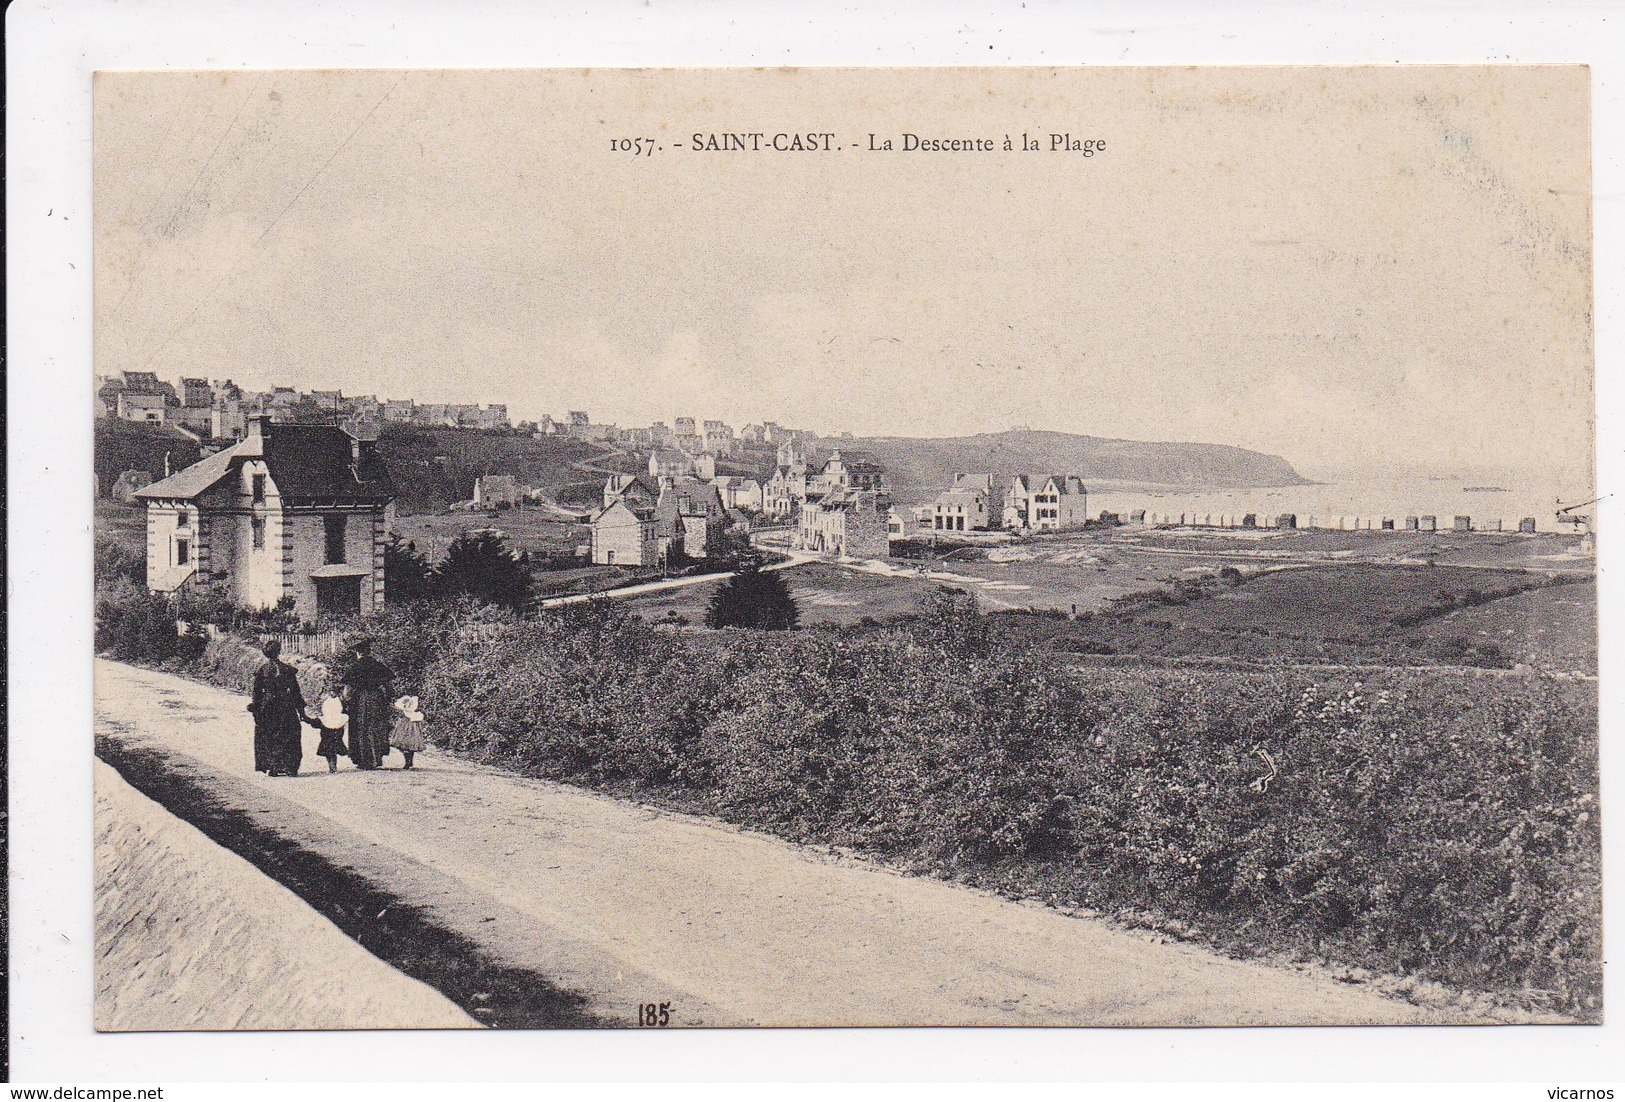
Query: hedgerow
column 1429, row 823
column 1441, row 825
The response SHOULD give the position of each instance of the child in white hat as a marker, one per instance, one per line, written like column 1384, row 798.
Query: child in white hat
column 407, row 733
column 332, row 720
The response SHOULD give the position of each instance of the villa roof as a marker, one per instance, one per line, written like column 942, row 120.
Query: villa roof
column 307, row 463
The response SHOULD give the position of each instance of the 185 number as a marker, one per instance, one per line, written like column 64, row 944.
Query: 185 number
column 655, row 1014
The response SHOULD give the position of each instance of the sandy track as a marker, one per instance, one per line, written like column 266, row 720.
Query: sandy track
column 629, row 905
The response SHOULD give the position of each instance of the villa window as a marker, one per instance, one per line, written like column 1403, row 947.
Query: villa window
column 183, row 519
column 334, row 531
column 257, row 526
column 258, row 483
column 183, row 552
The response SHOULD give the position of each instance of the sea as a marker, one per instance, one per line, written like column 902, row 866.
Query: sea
column 1352, row 504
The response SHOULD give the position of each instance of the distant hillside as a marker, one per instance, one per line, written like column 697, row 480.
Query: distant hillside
column 434, row 467
column 918, row 469
column 133, row 446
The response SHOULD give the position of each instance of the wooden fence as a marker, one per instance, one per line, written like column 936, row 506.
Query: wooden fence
column 321, row 644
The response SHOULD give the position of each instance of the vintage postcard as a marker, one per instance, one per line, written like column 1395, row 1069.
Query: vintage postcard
column 845, row 547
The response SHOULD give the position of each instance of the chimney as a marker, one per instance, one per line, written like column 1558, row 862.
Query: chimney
column 256, row 425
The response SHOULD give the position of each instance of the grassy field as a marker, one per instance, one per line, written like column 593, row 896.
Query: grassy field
column 1091, row 569
column 1353, row 601
column 1553, row 628
column 825, row 594
column 537, row 530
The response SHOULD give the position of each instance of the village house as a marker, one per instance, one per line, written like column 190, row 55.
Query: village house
column 195, row 414
column 970, row 504
column 140, row 387
column 691, row 511
column 639, row 490
column 784, row 492
column 399, row 411
column 493, row 490
column 643, row 525
column 830, row 477
column 739, row 493
column 227, row 418
column 148, row 408
column 719, row 438
column 852, row 524
column 669, row 463
column 623, row 534
column 1059, row 502
column 291, row 511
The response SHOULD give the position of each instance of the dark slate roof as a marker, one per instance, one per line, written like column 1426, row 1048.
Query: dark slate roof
column 314, row 463
column 189, row 482
column 308, row 463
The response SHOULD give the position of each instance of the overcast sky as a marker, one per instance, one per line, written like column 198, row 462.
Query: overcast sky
column 1354, row 269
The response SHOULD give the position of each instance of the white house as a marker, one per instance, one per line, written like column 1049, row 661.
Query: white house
column 290, row 511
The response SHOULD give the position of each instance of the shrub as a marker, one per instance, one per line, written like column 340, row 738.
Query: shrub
column 116, row 560
column 407, row 575
column 1440, row 824
column 480, row 565
column 753, row 598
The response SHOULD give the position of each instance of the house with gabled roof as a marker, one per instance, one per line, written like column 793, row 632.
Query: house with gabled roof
column 292, row 510
column 641, row 490
column 1058, row 502
column 852, row 524
column 691, row 512
column 970, row 504
column 623, row 534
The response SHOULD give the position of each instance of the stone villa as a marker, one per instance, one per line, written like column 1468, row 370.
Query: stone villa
column 292, row 510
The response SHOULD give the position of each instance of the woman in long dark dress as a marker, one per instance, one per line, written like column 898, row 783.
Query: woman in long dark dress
column 278, row 707
column 368, row 690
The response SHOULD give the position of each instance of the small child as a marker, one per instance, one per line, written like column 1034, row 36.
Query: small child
column 332, row 720
column 407, row 734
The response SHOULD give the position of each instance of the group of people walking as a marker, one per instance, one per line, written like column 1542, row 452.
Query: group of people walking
column 362, row 723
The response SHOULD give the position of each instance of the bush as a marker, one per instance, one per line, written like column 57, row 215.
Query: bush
column 1438, row 824
column 480, row 565
column 753, row 598
column 407, row 575
column 117, row 561
column 1441, row 824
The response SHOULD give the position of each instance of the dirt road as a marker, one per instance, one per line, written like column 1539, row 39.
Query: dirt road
column 627, row 905
column 193, row 937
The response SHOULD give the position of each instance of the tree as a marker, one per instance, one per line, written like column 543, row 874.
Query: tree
column 480, row 565
column 407, row 574
column 753, row 598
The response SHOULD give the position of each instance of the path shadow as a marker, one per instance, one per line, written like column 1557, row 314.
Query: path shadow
column 395, row 932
